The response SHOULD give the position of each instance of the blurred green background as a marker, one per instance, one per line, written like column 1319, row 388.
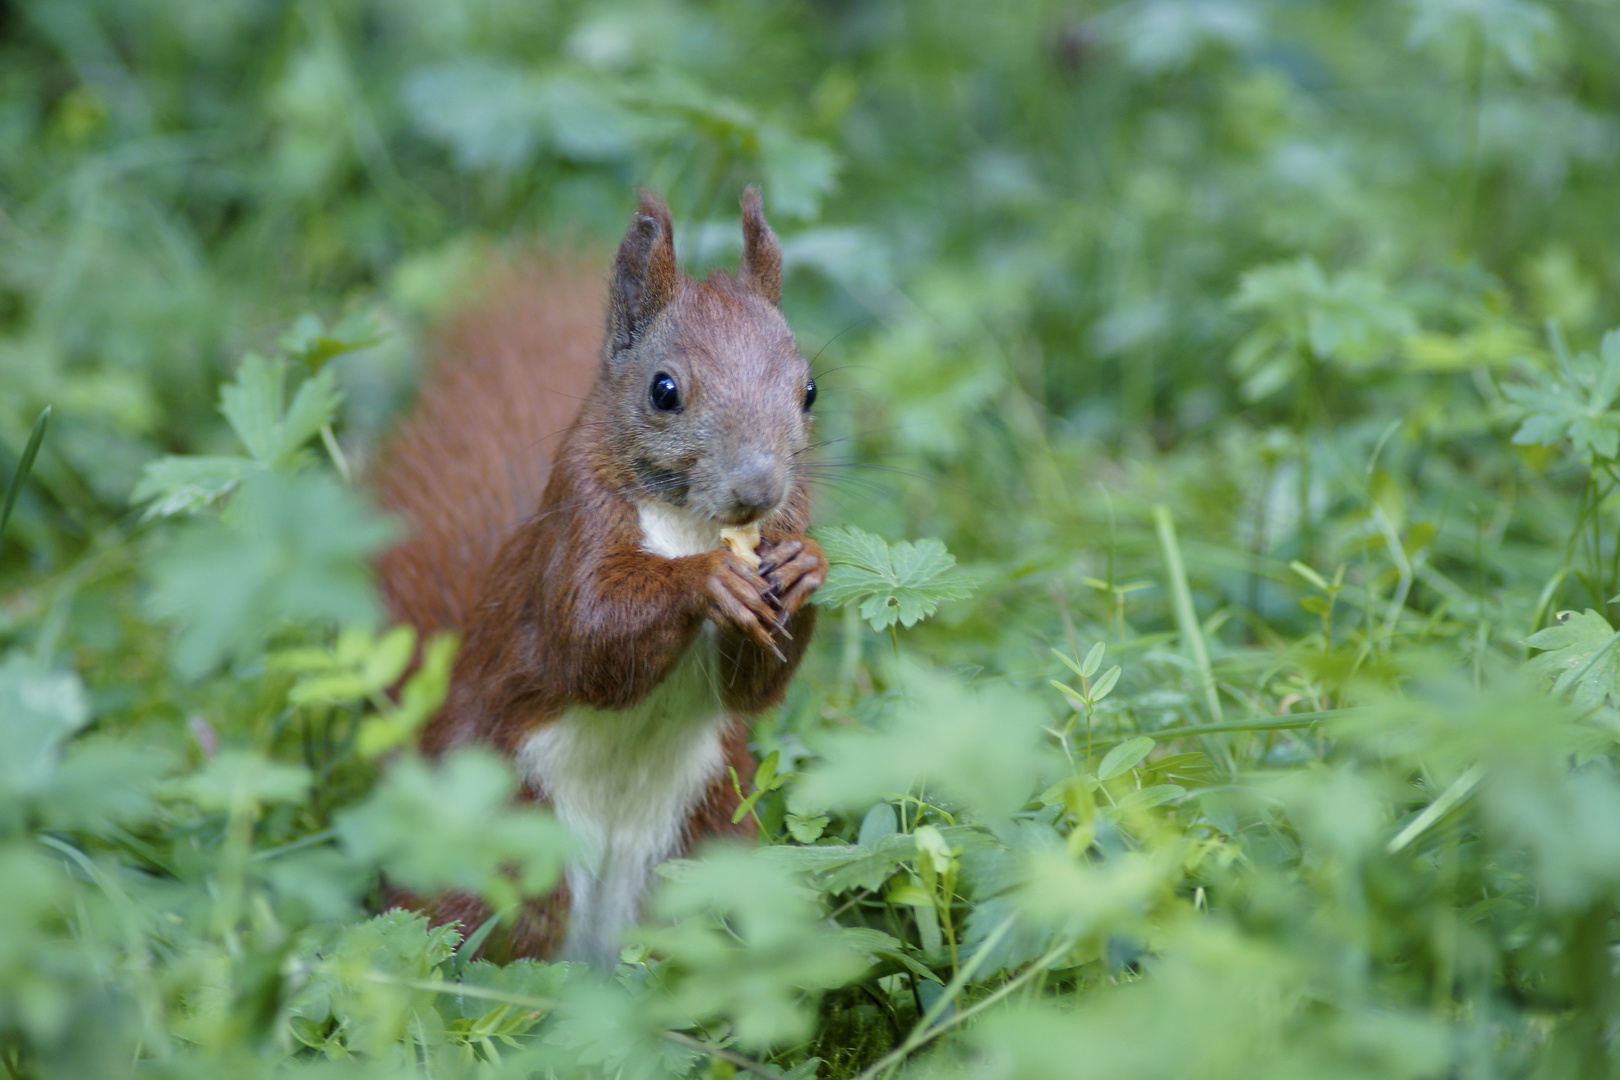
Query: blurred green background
column 1259, row 343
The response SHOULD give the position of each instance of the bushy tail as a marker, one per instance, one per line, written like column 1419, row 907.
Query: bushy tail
column 504, row 380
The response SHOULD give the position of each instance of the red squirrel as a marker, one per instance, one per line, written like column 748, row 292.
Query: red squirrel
column 610, row 645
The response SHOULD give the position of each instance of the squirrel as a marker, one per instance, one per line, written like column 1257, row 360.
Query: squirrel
column 611, row 646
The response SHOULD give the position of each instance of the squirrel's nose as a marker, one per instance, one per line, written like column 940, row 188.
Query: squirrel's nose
column 757, row 487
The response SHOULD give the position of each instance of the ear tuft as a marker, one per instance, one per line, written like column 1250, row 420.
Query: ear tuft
column 644, row 272
column 762, row 255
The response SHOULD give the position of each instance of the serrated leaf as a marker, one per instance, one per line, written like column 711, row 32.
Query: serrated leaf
column 1581, row 658
column 39, row 710
column 237, row 780
column 291, row 548
column 903, row 582
column 980, row 746
column 252, row 403
column 838, row 868
column 454, row 825
column 314, row 406
column 1575, row 403
column 182, row 484
column 755, row 967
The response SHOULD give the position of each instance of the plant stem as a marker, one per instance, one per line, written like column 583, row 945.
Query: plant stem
column 924, row 1033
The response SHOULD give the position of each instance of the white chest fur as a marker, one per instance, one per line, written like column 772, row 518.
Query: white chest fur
column 672, row 532
column 626, row 780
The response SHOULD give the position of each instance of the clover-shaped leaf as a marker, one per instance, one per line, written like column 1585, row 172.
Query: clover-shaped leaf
column 902, row 582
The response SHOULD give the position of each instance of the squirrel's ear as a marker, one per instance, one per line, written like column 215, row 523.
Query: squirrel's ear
column 762, row 256
column 644, row 272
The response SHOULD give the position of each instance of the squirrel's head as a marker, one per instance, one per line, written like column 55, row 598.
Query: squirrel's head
column 709, row 395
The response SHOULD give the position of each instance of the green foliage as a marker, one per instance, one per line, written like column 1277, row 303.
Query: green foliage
column 902, row 582
column 746, row 940
column 1270, row 730
column 1580, row 658
column 1576, row 404
column 289, row 549
column 491, row 848
column 361, row 667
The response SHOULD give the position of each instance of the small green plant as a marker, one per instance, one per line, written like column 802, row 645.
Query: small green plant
column 888, row 583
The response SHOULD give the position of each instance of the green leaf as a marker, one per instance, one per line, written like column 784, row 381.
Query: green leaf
column 765, row 775
column 290, row 549
column 453, row 825
column 419, row 699
column 902, row 582
column 238, row 781
column 1094, row 660
column 1582, row 658
column 1514, row 29
column 104, row 783
column 1309, row 575
column 878, row 945
column 931, row 845
column 806, row 830
column 308, row 343
column 1124, row 757
column 350, row 981
column 358, row 665
column 837, row 868
column 183, row 484
column 252, row 402
column 39, row 711
column 1105, row 685
column 758, row 967
column 978, row 745
column 1575, row 403
column 253, row 405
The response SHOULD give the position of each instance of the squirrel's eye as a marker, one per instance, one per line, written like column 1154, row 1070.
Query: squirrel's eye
column 666, row 397
column 809, row 394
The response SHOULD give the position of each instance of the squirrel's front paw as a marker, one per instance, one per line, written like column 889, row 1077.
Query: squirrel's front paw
column 794, row 568
column 737, row 596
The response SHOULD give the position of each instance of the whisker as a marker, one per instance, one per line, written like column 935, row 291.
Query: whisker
column 854, row 325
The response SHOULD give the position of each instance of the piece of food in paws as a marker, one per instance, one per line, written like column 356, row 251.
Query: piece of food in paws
column 742, row 543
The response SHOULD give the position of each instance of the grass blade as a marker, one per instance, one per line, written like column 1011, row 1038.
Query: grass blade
column 1192, row 635
column 25, row 465
column 1285, row 722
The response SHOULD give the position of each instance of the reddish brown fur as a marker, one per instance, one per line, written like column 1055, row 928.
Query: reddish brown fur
column 558, row 603
column 504, row 381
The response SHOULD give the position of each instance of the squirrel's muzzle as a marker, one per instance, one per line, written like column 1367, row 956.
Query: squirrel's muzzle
column 756, row 487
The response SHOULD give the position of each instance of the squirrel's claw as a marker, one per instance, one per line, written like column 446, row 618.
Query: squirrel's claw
column 737, row 596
